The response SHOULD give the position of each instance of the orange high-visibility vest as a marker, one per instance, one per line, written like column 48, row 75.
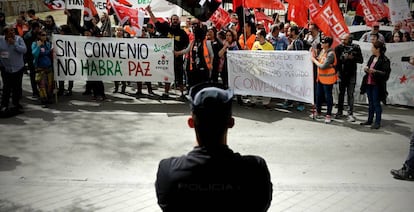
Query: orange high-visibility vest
column 327, row 76
column 206, row 55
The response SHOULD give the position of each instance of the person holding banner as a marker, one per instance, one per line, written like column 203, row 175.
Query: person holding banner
column 296, row 44
column 65, row 30
column 326, row 77
column 42, row 60
column 374, row 83
column 212, row 177
column 263, row 45
column 181, row 42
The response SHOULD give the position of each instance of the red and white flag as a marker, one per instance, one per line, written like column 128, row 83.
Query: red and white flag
column 220, row 18
column 89, row 10
column 331, row 22
column 124, row 13
column 374, row 10
column 313, row 6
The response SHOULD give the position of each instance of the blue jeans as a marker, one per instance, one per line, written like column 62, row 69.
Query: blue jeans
column 409, row 163
column 374, row 104
column 321, row 91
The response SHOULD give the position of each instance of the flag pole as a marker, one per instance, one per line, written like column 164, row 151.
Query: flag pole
column 244, row 22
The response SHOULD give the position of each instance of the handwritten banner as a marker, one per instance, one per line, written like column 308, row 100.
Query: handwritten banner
column 400, row 85
column 113, row 59
column 279, row 74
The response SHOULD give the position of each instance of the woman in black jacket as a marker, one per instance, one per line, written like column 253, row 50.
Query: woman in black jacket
column 374, row 82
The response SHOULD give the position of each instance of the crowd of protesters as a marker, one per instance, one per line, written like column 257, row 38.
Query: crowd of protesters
column 200, row 51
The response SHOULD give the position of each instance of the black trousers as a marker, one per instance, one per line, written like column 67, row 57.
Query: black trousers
column 349, row 88
column 32, row 74
column 12, row 86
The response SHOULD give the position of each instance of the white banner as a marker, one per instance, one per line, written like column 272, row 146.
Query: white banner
column 113, row 59
column 279, row 74
column 160, row 8
column 100, row 6
column 74, row 4
column 399, row 10
column 78, row 4
column 400, row 85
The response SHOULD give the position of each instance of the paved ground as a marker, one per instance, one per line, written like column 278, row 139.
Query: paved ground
column 83, row 155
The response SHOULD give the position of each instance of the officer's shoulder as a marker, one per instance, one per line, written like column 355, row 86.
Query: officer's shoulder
column 253, row 159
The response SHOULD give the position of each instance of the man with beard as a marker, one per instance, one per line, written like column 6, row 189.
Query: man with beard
column 349, row 55
column 181, row 42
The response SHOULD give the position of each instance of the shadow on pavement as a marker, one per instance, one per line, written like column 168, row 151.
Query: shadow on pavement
column 8, row 163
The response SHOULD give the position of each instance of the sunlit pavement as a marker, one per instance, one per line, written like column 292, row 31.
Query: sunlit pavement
column 86, row 155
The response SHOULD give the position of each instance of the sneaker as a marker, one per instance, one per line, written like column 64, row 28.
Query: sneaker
column 328, row 119
column 351, row 118
column 315, row 116
column 300, row 108
column 402, row 174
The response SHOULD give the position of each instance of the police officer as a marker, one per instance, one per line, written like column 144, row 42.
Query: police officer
column 212, row 177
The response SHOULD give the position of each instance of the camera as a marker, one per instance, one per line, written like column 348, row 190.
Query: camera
column 405, row 59
column 348, row 50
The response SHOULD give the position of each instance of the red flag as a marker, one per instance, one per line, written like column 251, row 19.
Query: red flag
column 298, row 12
column 236, row 4
column 89, row 10
column 374, row 10
column 313, row 6
column 125, row 13
column 220, row 18
column 331, row 22
column 261, row 17
column 125, row 2
column 268, row 4
column 370, row 15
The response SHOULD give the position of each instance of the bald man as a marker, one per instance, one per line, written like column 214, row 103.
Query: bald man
column 348, row 55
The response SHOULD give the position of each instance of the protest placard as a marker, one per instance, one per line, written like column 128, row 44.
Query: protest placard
column 280, row 74
column 113, row 59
